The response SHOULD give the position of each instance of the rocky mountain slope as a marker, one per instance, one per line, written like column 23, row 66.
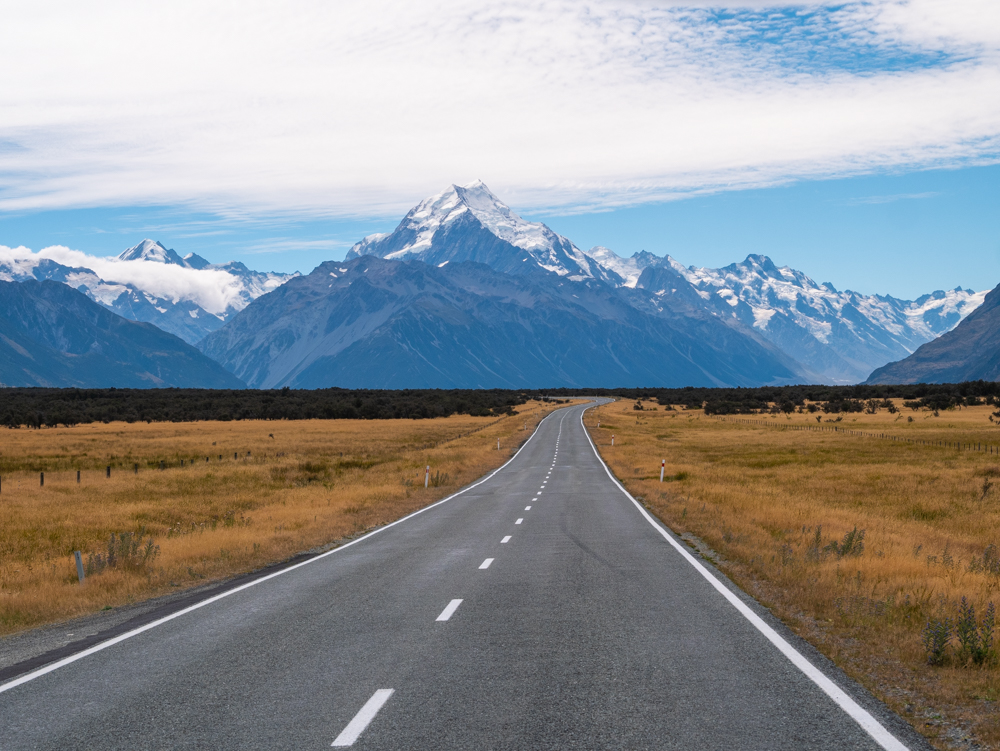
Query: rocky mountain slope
column 969, row 352
column 386, row 323
column 53, row 335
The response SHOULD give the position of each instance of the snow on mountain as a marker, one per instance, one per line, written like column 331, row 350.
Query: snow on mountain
column 966, row 353
column 842, row 335
column 629, row 269
column 469, row 223
column 151, row 250
column 188, row 297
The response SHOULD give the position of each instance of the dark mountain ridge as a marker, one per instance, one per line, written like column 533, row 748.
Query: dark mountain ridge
column 52, row 335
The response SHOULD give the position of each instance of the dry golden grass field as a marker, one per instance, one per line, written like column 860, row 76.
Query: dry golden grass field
column 775, row 508
column 292, row 486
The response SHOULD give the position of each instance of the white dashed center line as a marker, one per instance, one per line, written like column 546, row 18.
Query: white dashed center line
column 486, row 563
column 527, row 508
column 357, row 726
column 519, row 521
column 505, row 539
column 449, row 611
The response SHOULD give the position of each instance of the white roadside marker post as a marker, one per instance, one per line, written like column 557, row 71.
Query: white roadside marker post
column 498, row 444
column 427, row 476
column 79, row 565
column 663, row 466
column 612, row 439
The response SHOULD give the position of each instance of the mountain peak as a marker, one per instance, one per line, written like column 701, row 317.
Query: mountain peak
column 476, row 198
column 469, row 223
column 761, row 261
column 195, row 261
column 151, row 250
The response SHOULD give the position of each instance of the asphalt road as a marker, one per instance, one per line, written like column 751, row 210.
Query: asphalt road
column 587, row 629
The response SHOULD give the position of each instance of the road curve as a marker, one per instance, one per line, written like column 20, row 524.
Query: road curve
column 538, row 609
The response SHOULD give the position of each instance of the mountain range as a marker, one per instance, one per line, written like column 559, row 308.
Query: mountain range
column 378, row 323
column 837, row 337
column 188, row 297
column 466, row 293
column 969, row 352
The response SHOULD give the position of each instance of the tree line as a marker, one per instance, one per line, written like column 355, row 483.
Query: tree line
column 42, row 407
column 45, row 407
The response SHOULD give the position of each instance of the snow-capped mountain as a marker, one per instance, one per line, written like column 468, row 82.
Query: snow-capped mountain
column 837, row 336
column 151, row 250
column 465, row 293
column 188, row 297
column 969, row 352
column 842, row 335
column 469, row 223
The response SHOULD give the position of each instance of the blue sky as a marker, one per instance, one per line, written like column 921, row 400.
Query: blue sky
column 855, row 141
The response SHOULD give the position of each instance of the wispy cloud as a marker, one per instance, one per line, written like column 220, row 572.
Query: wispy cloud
column 891, row 199
column 282, row 245
column 360, row 108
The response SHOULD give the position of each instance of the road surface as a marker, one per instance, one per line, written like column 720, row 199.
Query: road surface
column 538, row 609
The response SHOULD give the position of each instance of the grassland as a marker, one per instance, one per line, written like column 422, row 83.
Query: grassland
column 773, row 507
column 292, row 486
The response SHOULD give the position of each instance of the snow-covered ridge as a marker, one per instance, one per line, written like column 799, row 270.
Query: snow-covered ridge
column 862, row 332
column 428, row 216
column 629, row 269
column 767, row 288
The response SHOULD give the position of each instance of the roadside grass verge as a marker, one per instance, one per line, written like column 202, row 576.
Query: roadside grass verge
column 865, row 547
column 292, row 486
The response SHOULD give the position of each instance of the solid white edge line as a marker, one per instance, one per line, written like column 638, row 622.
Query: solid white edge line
column 159, row 622
column 449, row 610
column 858, row 713
column 364, row 716
column 486, row 563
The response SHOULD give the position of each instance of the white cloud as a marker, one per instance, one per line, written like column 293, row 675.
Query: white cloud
column 364, row 107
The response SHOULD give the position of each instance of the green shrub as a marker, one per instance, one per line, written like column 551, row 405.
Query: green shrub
column 127, row 551
column 976, row 639
column 936, row 636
